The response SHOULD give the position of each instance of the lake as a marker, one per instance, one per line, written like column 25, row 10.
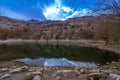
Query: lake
column 56, row 55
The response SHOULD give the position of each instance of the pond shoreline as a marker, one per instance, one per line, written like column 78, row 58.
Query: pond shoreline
column 14, row 70
column 84, row 43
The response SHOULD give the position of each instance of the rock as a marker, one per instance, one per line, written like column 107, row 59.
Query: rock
column 57, row 78
column 42, row 69
column 119, row 60
column 5, row 76
column 77, row 72
column 4, row 69
column 97, row 76
column 107, row 63
column 94, row 71
column 16, row 70
column 37, row 77
column 82, row 71
column 112, row 71
column 32, row 69
column 62, row 71
column 13, row 66
column 29, row 76
column 98, row 64
column 115, row 76
column 37, row 73
column 23, row 68
column 32, row 74
column 113, row 62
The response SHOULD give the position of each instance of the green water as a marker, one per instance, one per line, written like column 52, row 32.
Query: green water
column 74, row 53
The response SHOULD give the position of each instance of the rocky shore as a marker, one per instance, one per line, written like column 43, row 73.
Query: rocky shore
column 12, row 70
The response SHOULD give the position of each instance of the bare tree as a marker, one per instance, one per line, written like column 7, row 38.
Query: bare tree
column 107, row 6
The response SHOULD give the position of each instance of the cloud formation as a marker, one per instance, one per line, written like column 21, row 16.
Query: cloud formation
column 45, row 9
column 58, row 11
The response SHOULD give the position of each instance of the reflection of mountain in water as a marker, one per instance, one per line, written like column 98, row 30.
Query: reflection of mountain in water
column 56, row 62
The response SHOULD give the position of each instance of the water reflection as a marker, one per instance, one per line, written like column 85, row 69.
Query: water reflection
column 56, row 62
column 52, row 55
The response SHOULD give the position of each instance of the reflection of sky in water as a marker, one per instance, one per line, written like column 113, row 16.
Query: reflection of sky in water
column 56, row 62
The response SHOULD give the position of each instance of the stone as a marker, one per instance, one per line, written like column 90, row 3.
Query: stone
column 36, row 73
column 97, row 76
column 5, row 76
column 24, row 68
column 17, row 70
column 94, row 71
column 113, row 62
column 42, row 69
column 13, row 66
column 32, row 74
column 57, row 78
column 37, row 77
column 107, row 63
column 4, row 69
column 82, row 71
column 119, row 60
column 115, row 76
column 77, row 72
column 62, row 71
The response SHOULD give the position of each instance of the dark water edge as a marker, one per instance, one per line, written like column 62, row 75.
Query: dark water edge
column 55, row 53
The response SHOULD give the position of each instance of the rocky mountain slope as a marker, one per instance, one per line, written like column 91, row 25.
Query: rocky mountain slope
column 73, row 28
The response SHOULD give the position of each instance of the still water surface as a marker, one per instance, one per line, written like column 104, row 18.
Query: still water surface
column 56, row 55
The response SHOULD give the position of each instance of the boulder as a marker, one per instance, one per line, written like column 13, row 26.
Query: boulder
column 115, row 76
column 94, row 71
column 31, row 75
column 82, row 71
column 4, row 70
column 5, row 76
column 97, row 76
column 20, row 69
column 16, row 70
column 37, row 77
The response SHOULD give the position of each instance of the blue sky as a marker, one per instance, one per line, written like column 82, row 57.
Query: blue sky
column 45, row 9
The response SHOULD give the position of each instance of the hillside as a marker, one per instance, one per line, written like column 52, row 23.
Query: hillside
column 86, row 27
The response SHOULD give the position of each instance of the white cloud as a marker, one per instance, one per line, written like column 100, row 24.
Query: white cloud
column 12, row 14
column 82, row 12
column 66, row 9
column 57, row 11
column 52, row 12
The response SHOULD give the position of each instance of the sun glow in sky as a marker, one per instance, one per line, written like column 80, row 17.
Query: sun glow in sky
column 45, row 9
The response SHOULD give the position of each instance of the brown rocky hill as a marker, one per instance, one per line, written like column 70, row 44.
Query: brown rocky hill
column 73, row 28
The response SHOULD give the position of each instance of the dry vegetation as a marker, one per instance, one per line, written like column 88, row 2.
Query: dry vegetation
column 104, row 27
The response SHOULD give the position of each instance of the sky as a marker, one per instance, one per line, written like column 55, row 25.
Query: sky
column 45, row 9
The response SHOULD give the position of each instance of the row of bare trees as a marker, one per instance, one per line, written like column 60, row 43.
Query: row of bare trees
column 107, row 7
